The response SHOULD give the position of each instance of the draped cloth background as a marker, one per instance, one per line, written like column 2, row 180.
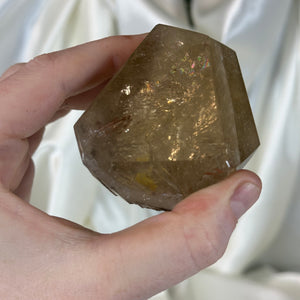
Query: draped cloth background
column 263, row 257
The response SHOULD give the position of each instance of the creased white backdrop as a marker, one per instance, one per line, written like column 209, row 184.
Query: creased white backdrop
column 263, row 257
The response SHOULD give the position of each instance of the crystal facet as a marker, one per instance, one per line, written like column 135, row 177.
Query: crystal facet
column 176, row 118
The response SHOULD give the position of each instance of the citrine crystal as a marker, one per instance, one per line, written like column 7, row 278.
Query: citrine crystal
column 176, row 118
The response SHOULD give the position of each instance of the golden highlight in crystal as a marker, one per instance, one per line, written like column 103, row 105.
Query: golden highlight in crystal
column 176, row 118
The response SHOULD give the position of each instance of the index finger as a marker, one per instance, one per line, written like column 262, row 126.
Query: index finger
column 31, row 96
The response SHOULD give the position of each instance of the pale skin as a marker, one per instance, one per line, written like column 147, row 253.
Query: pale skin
column 43, row 257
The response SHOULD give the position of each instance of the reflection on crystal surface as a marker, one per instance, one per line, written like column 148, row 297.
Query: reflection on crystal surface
column 176, row 118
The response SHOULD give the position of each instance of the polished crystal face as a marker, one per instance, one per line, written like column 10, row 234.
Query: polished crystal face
column 176, row 118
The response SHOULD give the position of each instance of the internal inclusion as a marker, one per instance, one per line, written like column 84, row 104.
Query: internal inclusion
column 174, row 119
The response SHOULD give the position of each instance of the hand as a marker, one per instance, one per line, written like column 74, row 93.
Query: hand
column 43, row 257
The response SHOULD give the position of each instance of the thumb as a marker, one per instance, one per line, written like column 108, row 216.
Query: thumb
column 166, row 249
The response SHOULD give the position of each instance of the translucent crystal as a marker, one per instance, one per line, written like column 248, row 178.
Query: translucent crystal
column 176, row 118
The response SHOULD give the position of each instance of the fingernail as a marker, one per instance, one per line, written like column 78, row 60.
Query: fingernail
column 243, row 198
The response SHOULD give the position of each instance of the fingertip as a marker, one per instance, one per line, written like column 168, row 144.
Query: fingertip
column 247, row 175
column 236, row 188
column 244, row 196
column 247, row 190
column 121, row 56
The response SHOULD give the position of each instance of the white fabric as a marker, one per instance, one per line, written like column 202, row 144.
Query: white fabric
column 265, row 35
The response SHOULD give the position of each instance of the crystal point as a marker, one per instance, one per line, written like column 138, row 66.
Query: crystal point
column 176, row 118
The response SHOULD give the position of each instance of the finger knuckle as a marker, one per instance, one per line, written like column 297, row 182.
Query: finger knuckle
column 204, row 246
column 12, row 69
column 213, row 240
column 48, row 66
column 46, row 60
column 206, row 234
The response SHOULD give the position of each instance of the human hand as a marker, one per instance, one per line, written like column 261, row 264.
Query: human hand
column 43, row 257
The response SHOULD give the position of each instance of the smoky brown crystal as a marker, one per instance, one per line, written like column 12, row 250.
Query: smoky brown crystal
column 176, row 118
